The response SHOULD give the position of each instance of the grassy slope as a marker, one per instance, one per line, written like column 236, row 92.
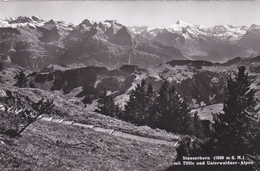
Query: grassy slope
column 51, row 146
column 48, row 146
column 205, row 113
column 78, row 113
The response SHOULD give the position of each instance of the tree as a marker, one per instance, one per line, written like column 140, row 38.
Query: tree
column 199, row 130
column 20, row 112
column 106, row 104
column 87, row 100
column 1, row 67
column 166, row 107
column 31, row 84
column 235, row 132
column 232, row 128
column 136, row 108
column 41, row 107
column 20, row 79
column 171, row 111
column 149, row 99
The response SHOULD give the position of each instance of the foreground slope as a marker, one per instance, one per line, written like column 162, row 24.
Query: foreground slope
column 48, row 146
column 52, row 146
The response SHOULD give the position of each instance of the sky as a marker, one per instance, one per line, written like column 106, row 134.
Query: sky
column 140, row 13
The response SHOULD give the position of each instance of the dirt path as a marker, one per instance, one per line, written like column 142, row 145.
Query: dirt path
column 111, row 132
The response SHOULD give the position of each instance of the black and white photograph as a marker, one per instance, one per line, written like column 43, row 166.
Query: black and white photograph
column 154, row 85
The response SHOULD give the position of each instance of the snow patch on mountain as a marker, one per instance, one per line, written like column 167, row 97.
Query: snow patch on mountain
column 191, row 37
column 34, row 22
column 22, row 22
column 112, row 23
column 179, row 25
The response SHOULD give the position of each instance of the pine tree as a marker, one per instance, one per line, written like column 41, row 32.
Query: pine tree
column 20, row 79
column 102, row 102
column 170, row 111
column 166, row 108
column 232, row 128
column 1, row 67
column 106, row 104
column 198, row 128
column 135, row 109
column 149, row 101
column 32, row 85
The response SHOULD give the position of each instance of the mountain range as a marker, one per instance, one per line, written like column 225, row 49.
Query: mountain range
column 217, row 43
column 34, row 43
column 80, row 61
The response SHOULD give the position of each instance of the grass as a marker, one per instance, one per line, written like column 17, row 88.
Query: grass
column 51, row 146
column 205, row 113
column 72, row 112
column 48, row 146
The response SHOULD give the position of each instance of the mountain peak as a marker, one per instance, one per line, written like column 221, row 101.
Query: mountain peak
column 24, row 19
column 112, row 23
column 253, row 26
column 20, row 19
column 86, row 22
column 49, row 25
column 37, row 18
column 183, row 23
column 179, row 25
column 51, row 22
column 123, row 37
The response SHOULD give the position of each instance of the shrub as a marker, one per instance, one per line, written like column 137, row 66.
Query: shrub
column 20, row 112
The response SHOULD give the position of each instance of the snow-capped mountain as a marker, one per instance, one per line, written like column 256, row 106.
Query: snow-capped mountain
column 215, row 43
column 34, row 44
column 188, row 30
column 36, row 22
column 251, row 38
column 21, row 21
